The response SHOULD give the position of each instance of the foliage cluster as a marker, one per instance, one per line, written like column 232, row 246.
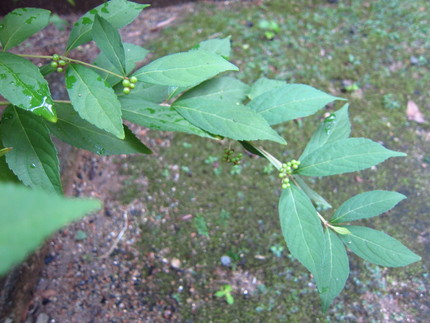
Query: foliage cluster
column 181, row 92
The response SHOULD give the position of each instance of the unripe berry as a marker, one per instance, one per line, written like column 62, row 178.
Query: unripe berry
column 126, row 90
column 60, row 69
column 126, row 83
column 133, row 79
column 62, row 62
column 55, row 57
column 132, row 86
column 54, row 64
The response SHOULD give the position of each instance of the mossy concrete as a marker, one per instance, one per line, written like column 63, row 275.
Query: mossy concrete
column 199, row 209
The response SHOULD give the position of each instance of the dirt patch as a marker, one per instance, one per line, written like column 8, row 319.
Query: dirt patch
column 90, row 273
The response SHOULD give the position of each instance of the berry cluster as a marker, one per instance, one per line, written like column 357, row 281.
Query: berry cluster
column 58, row 63
column 286, row 170
column 229, row 156
column 129, row 84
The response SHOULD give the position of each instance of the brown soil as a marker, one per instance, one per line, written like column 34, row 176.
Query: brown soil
column 97, row 277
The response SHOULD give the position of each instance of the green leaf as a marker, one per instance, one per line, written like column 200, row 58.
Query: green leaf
column 263, row 85
column 301, row 228
column 251, row 148
column 33, row 157
column 336, row 126
column 6, row 175
column 229, row 299
column 217, row 46
column 29, row 216
column 199, row 223
column 226, row 119
column 133, row 55
column 340, row 230
column 290, row 101
column 147, row 92
column 220, row 293
column 184, row 69
column 378, row 247
column 22, row 85
column 366, row 205
column 228, row 288
column 344, row 156
column 94, row 99
column 118, row 13
column 20, row 24
column 223, row 89
column 154, row 116
column 109, row 41
column 314, row 196
column 334, row 269
column 74, row 130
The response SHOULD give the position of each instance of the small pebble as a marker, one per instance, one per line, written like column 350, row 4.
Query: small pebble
column 175, row 263
column 226, row 261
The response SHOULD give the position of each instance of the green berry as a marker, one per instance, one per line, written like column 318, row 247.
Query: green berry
column 285, row 186
column 126, row 83
column 62, row 62
column 132, row 86
column 126, row 90
column 133, row 79
column 55, row 57
column 60, row 70
column 54, row 64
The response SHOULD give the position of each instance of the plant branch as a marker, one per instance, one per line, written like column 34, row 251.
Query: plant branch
column 34, row 56
column 94, row 66
column 273, row 160
column 74, row 61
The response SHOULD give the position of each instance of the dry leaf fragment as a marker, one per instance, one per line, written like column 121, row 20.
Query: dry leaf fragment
column 413, row 113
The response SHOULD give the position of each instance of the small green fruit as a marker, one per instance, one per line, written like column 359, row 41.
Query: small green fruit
column 132, row 86
column 62, row 62
column 133, row 79
column 60, row 70
column 285, row 186
column 125, row 83
column 54, row 64
column 55, row 57
column 126, row 90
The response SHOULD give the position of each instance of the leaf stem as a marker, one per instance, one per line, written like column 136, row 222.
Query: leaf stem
column 93, row 66
column 75, row 61
column 273, row 160
column 34, row 56
column 62, row 101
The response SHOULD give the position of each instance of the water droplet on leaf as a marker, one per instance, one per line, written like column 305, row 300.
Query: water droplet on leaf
column 100, row 150
column 33, row 165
